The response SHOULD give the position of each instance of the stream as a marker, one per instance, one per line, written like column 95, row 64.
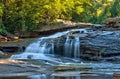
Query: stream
column 65, row 52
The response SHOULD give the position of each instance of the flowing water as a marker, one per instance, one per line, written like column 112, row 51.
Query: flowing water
column 44, row 48
column 72, row 46
column 43, row 76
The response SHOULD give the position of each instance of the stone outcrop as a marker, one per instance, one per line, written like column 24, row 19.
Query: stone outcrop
column 15, row 46
column 51, row 29
column 101, row 45
column 112, row 22
column 3, row 39
column 95, row 45
column 8, row 38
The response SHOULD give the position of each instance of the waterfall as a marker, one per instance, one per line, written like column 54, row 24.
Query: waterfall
column 76, row 47
column 67, row 47
column 72, row 47
column 37, row 47
column 44, row 46
column 52, row 47
column 33, row 47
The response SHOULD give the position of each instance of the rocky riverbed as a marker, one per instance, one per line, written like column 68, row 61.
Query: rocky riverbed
column 75, row 52
column 23, row 68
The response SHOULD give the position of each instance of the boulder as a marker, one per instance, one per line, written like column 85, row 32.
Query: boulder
column 3, row 39
column 112, row 22
column 8, row 38
column 16, row 38
column 12, row 37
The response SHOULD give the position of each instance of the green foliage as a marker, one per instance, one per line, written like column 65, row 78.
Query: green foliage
column 1, row 9
column 3, row 30
column 115, row 10
column 29, row 15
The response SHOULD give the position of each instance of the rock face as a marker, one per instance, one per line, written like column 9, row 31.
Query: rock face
column 104, row 44
column 95, row 45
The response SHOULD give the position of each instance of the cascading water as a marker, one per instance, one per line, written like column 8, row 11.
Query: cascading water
column 72, row 47
column 36, row 47
column 68, row 47
column 76, row 47
column 41, row 49
column 45, row 46
column 70, row 43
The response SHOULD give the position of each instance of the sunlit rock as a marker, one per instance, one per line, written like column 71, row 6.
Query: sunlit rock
column 3, row 39
column 113, row 22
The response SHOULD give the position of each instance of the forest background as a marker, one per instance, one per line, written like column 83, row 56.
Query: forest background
column 29, row 15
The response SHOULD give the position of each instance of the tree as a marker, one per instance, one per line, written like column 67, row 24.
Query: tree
column 29, row 15
column 115, row 10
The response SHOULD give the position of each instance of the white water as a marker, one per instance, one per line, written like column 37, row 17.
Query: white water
column 72, row 47
column 68, row 47
column 46, row 45
column 77, row 47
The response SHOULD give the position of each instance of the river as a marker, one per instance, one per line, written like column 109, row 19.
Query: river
column 62, row 51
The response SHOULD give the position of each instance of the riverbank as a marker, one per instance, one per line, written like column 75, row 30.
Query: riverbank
column 62, row 25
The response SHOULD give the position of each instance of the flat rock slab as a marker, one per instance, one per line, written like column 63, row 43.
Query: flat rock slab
column 20, row 68
column 15, row 46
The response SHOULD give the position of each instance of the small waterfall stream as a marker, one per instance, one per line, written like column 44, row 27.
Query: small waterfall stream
column 47, row 45
column 68, row 47
column 55, row 48
column 76, row 47
column 72, row 47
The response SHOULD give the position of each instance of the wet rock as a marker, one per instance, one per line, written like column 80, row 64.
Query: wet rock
column 67, row 73
column 1, row 53
column 15, row 68
column 106, row 43
column 15, row 46
column 116, row 75
column 29, row 56
column 72, row 67
column 94, row 45
column 10, row 48
column 101, row 44
column 113, row 59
